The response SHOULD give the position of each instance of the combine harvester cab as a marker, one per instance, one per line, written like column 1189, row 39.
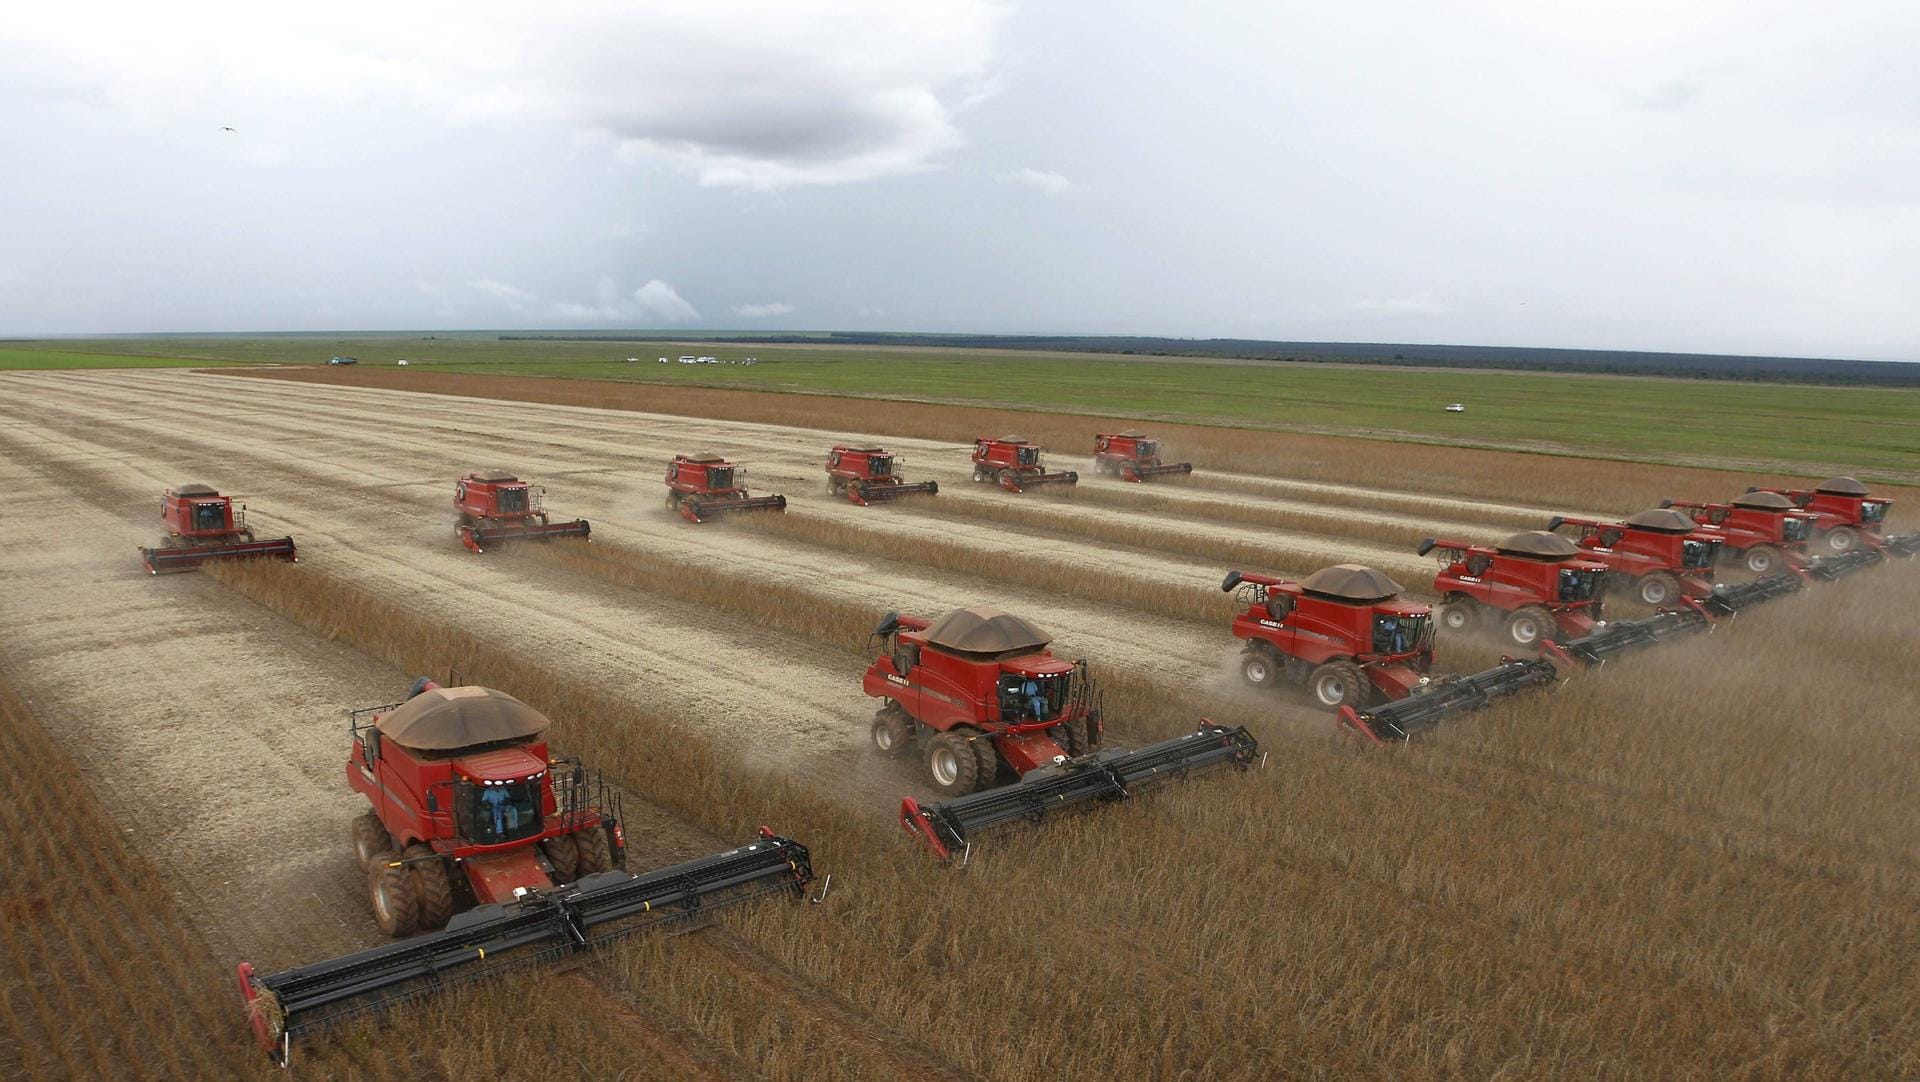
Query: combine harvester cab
column 1342, row 632
column 203, row 525
column 1536, row 584
column 496, row 506
column 1132, row 456
column 978, row 691
column 1663, row 553
column 466, row 803
column 1014, row 464
column 868, row 475
column 1765, row 528
column 702, row 486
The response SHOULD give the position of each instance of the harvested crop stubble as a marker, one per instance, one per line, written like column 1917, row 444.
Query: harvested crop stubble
column 1309, row 918
column 1409, row 468
column 101, row 976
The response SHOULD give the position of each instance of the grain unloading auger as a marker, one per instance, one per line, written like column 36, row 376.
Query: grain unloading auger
column 950, row 827
column 496, row 506
column 203, row 525
column 467, row 809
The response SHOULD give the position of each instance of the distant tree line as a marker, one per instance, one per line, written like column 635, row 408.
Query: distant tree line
column 1591, row 361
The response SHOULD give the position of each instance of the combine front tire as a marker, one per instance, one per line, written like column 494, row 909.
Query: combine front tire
column 890, row 731
column 564, row 854
column 1073, row 737
column 1658, row 588
column 1260, row 668
column 1337, row 684
column 396, row 902
column 1459, row 614
column 596, row 853
column 1762, row 559
column 952, row 764
column 1842, row 539
column 431, row 886
column 370, row 838
column 1530, row 624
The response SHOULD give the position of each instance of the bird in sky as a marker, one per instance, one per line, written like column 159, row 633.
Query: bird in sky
column 235, row 131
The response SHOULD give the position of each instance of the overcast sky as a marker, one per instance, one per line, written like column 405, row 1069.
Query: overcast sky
column 1722, row 177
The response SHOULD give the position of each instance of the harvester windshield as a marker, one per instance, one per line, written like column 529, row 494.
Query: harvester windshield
column 1394, row 633
column 1793, row 528
column 1033, row 698
column 1579, row 585
column 494, row 813
column 512, row 500
column 1146, row 448
column 1697, row 553
column 879, row 465
column 719, row 477
column 1027, row 456
column 209, row 515
column 1873, row 510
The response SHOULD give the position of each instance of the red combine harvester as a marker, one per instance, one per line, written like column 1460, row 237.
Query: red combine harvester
column 1014, row 464
column 1765, row 528
column 979, row 689
column 1534, row 582
column 869, row 475
column 202, row 525
column 1341, row 632
column 702, row 486
column 473, row 827
column 1850, row 516
column 1132, row 456
column 497, row 506
column 1663, row 552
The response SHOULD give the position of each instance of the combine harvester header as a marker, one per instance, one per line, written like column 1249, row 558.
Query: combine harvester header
column 867, row 475
column 497, row 506
column 203, row 525
column 704, row 485
column 1132, row 456
column 1446, row 697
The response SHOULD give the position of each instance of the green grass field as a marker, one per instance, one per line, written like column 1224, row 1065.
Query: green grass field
column 11, row 358
column 1700, row 422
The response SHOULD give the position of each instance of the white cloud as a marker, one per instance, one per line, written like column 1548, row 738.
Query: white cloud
column 655, row 303
column 763, row 311
column 1040, row 179
column 740, row 93
column 1419, row 304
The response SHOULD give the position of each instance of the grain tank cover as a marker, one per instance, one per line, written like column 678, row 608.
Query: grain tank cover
column 495, row 477
column 1842, row 486
column 985, row 631
column 195, row 490
column 1664, row 519
column 1764, row 501
column 1350, row 582
column 446, row 719
column 1539, row 543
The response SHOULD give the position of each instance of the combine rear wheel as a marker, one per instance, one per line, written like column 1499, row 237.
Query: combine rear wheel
column 564, row 854
column 952, row 764
column 1459, row 614
column 1762, row 559
column 1842, row 539
column 370, row 838
column 396, row 902
column 1528, row 625
column 431, row 887
column 890, row 730
column 596, row 853
column 1260, row 668
column 1337, row 684
column 1658, row 588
